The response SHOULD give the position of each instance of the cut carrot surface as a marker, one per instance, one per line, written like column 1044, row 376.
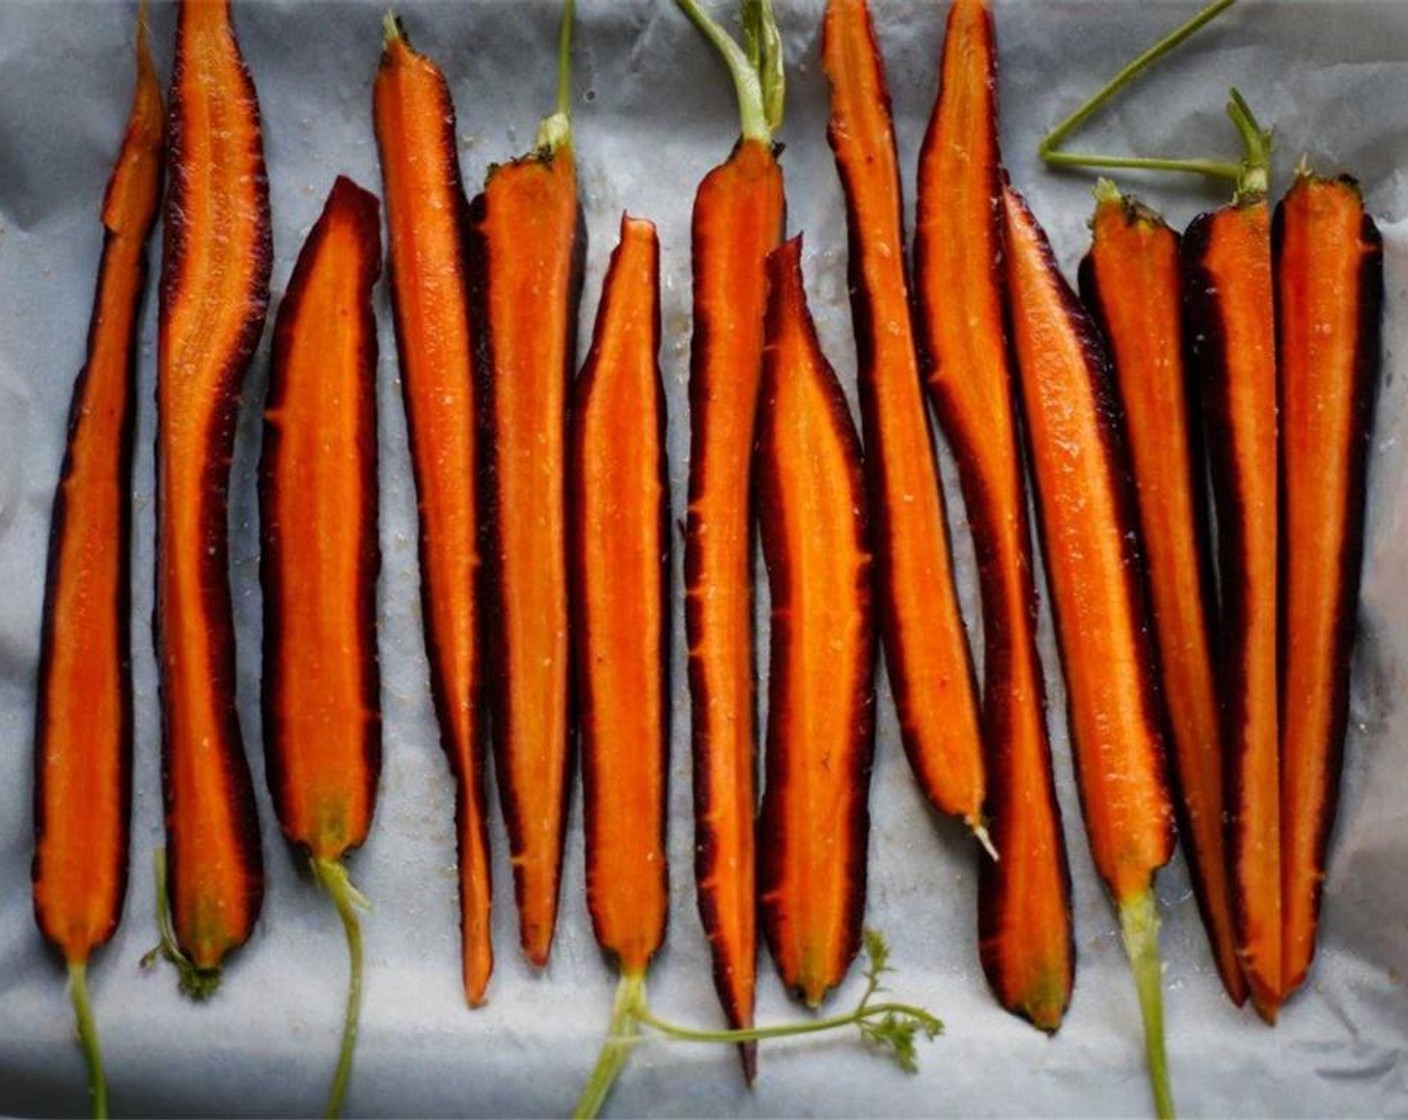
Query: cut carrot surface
column 214, row 292
column 1227, row 267
column 815, row 822
column 1329, row 291
column 1132, row 282
column 1025, row 909
column 318, row 501
column 620, row 509
column 528, row 254
column 425, row 216
column 926, row 649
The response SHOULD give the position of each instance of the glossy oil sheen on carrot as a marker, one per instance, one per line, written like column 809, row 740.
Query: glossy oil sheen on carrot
column 1131, row 281
column 813, row 833
column 1090, row 539
column 528, row 253
column 425, row 222
column 926, row 649
column 1227, row 266
column 83, row 715
column 620, row 508
column 214, row 292
column 1329, row 290
column 320, row 557
column 1024, row 902
column 738, row 216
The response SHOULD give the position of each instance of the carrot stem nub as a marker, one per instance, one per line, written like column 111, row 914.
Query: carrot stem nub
column 88, row 1037
column 348, row 900
column 1139, row 927
column 197, row 983
column 555, row 130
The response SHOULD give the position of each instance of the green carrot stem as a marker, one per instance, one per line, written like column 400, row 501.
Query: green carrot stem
column 621, row 1038
column 555, row 130
column 1126, row 75
column 1139, row 925
column 347, row 898
column 1217, row 169
column 787, row 1030
column 747, row 83
column 88, row 1038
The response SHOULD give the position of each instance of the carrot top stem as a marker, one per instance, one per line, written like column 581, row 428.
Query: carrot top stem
column 890, row 1026
column 756, row 67
column 198, row 983
column 348, row 900
column 1139, row 927
column 88, row 1037
column 555, row 130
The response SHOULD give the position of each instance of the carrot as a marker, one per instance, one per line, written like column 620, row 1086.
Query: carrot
column 318, row 513
column 1131, row 281
column 1024, row 900
column 815, row 820
column 620, row 509
column 926, row 649
column 426, row 243
column 527, row 249
column 1329, row 292
column 1090, row 537
column 83, row 713
column 738, row 219
column 214, row 293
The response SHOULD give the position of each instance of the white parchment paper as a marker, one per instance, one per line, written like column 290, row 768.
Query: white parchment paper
column 654, row 111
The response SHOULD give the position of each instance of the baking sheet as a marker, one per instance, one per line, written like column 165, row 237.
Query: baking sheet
column 654, row 111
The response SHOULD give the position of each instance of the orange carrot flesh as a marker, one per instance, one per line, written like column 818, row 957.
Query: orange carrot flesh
column 1227, row 266
column 318, row 498
column 1329, row 290
column 926, row 649
column 621, row 623
column 528, row 254
column 430, row 301
column 83, row 726
column 815, row 821
column 214, row 292
column 738, row 216
column 1132, row 282
column 1025, row 908
column 1090, row 536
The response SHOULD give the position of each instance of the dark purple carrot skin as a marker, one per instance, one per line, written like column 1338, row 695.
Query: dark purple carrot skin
column 345, row 195
column 1367, row 362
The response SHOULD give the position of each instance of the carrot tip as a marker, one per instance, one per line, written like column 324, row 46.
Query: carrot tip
column 980, row 833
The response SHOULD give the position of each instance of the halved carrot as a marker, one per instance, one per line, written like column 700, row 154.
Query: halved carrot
column 737, row 221
column 527, row 253
column 320, row 558
column 1025, row 907
column 815, row 823
column 1090, row 537
column 214, row 292
column 1329, row 291
column 620, row 542
column 1131, row 281
column 83, row 712
column 1227, row 266
column 425, row 220
column 926, row 649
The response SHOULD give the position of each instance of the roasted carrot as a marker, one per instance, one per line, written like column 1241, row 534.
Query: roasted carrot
column 815, row 823
column 737, row 220
column 926, row 649
column 528, row 244
column 214, row 292
column 1131, row 281
column 83, row 713
column 1024, row 901
column 1090, row 537
column 620, row 509
column 426, row 223
column 320, row 558
column 1230, row 302
column 1329, row 291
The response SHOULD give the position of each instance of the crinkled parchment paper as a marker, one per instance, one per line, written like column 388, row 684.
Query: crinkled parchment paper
column 654, row 111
